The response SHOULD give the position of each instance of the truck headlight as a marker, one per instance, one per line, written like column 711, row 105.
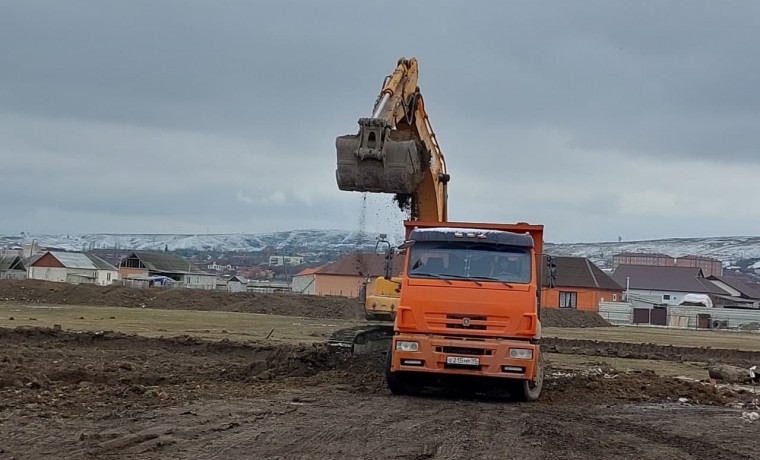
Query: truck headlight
column 407, row 346
column 520, row 353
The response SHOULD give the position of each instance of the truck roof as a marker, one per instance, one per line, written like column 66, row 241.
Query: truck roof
column 472, row 235
column 535, row 231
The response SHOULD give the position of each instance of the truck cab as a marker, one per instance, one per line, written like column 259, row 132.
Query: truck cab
column 469, row 307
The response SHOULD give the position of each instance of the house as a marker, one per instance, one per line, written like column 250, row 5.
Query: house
column 580, row 284
column 744, row 291
column 304, row 282
column 237, row 284
column 12, row 268
column 344, row 277
column 164, row 266
column 708, row 265
column 72, row 267
column 666, row 285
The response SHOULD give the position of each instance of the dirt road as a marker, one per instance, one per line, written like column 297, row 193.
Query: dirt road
column 101, row 395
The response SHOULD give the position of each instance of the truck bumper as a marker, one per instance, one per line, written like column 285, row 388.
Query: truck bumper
column 442, row 355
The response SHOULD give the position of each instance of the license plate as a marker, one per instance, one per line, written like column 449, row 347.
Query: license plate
column 462, row 361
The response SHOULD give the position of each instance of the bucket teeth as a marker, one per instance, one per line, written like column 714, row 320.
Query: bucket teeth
column 372, row 161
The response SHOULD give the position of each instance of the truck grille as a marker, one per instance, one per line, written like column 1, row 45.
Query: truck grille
column 464, row 351
column 477, row 327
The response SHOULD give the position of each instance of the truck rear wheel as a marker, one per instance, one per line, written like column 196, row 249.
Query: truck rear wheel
column 400, row 383
column 527, row 390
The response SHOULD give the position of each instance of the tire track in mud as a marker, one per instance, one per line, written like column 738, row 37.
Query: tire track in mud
column 608, row 430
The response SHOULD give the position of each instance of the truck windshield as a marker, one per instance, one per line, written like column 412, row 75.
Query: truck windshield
column 477, row 261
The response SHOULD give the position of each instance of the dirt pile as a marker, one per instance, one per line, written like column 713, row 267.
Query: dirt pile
column 743, row 358
column 644, row 386
column 117, row 364
column 569, row 317
column 34, row 291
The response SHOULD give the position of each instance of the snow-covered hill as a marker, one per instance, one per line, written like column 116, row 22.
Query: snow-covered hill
column 730, row 250
column 306, row 240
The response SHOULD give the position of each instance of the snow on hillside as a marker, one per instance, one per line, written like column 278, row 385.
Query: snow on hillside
column 307, row 240
column 727, row 249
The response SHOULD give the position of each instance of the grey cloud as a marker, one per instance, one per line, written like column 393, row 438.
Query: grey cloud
column 228, row 110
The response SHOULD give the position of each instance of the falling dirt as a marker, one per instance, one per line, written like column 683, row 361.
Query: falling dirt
column 359, row 266
column 76, row 395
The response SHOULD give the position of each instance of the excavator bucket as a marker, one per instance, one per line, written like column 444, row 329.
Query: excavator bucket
column 379, row 160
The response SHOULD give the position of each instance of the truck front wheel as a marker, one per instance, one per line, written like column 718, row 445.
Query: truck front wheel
column 528, row 390
column 400, row 383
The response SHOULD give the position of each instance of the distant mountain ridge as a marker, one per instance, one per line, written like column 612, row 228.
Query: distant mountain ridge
column 306, row 240
column 730, row 249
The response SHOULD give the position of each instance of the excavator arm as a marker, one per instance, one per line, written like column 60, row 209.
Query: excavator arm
column 396, row 150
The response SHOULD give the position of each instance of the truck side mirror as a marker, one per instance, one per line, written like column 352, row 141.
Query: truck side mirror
column 388, row 253
column 551, row 272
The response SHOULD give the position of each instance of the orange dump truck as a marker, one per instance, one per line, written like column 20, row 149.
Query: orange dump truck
column 469, row 307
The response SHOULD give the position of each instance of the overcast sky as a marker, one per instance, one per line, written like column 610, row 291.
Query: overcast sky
column 597, row 119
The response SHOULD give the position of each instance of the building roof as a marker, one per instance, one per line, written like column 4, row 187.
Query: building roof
column 660, row 255
column 581, row 272
column 11, row 263
column 239, row 279
column 164, row 262
column 99, row 263
column 746, row 286
column 308, row 271
column 677, row 279
column 702, row 258
column 79, row 260
column 642, row 254
column 362, row 264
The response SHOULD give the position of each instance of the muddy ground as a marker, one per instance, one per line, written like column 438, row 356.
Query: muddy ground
column 102, row 395
column 42, row 292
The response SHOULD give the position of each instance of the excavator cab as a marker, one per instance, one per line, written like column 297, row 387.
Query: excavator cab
column 376, row 160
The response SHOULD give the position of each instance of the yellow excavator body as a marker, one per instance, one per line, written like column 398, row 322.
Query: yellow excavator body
column 383, row 303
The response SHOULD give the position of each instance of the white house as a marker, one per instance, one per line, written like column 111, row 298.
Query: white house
column 666, row 285
column 305, row 282
column 237, row 284
column 73, row 267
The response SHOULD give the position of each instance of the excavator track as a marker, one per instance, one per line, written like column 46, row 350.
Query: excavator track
column 362, row 339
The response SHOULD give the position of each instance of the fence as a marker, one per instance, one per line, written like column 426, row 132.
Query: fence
column 682, row 316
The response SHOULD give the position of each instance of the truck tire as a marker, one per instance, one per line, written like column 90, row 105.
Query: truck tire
column 527, row 390
column 400, row 383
